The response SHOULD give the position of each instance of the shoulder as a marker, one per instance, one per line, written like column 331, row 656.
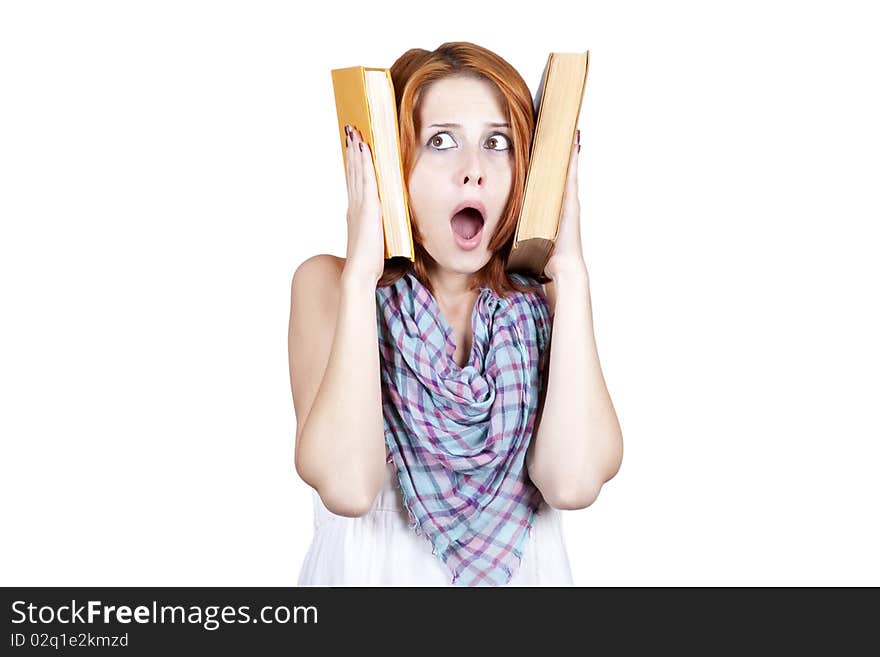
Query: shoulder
column 550, row 294
column 316, row 281
column 546, row 290
column 318, row 268
column 314, row 306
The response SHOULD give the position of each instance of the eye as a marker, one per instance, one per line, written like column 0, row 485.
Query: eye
column 504, row 141
column 436, row 141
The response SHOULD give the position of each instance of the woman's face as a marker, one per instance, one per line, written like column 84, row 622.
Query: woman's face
column 464, row 155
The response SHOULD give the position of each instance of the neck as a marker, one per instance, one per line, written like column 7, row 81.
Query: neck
column 452, row 290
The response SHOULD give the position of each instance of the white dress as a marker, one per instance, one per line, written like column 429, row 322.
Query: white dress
column 380, row 549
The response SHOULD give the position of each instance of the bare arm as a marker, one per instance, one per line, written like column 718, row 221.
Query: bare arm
column 334, row 371
column 334, row 352
column 577, row 445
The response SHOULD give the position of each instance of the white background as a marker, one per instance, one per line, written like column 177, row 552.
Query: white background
column 165, row 166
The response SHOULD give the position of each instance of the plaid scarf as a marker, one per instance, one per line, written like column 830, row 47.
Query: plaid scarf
column 458, row 436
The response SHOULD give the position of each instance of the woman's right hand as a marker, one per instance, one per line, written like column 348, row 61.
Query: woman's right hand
column 365, row 254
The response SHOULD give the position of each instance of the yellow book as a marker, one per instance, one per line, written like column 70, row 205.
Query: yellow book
column 365, row 100
column 558, row 104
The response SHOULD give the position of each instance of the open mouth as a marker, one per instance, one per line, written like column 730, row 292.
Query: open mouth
column 466, row 223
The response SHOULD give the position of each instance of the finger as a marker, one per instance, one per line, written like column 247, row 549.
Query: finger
column 357, row 150
column 368, row 169
column 357, row 166
column 573, row 160
column 365, row 162
column 349, row 165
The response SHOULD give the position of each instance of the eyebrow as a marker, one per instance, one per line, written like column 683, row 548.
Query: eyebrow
column 457, row 125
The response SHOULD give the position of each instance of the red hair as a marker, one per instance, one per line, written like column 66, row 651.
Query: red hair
column 411, row 74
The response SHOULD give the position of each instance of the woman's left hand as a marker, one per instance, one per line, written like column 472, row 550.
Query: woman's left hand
column 567, row 250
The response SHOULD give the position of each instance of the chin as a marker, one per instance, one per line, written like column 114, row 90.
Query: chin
column 452, row 258
column 466, row 263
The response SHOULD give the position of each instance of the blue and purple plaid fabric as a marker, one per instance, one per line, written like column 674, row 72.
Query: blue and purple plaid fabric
column 458, row 436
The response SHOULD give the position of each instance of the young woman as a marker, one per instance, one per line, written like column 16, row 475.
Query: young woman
column 440, row 434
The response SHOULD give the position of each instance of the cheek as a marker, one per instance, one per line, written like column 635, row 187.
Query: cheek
column 417, row 182
column 501, row 167
column 509, row 168
column 424, row 197
column 504, row 176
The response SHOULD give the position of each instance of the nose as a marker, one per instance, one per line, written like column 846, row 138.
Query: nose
column 472, row 169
